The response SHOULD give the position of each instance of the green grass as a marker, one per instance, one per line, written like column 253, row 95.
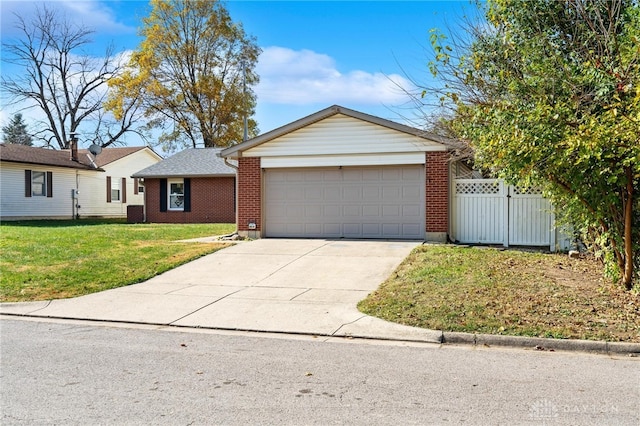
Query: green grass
column 509, row 292
column 41, row 260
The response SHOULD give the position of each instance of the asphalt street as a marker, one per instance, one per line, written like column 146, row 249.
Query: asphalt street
column 71, row 372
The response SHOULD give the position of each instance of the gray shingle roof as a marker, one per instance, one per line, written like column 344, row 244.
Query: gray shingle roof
column 191, row 162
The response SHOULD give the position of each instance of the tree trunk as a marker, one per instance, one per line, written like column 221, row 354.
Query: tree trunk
column 627, row 275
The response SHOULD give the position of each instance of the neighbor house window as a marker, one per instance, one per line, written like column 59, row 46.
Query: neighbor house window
column 115, row 190
column 176, row 194
column 38, row 184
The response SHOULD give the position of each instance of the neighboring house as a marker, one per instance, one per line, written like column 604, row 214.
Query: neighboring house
column 40, row 183
column 192, row 186
column 340, row 173
column 108, row 194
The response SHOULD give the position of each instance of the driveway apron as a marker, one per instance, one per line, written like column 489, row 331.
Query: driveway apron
column 272, row 285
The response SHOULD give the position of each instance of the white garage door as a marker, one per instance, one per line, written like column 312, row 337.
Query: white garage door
column 348, row 202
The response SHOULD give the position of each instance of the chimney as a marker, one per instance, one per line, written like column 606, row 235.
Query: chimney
column 73, row 145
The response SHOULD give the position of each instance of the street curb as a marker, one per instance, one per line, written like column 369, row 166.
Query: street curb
column 542, row 343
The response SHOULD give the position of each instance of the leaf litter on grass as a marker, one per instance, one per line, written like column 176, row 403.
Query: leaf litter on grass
column 513, row 292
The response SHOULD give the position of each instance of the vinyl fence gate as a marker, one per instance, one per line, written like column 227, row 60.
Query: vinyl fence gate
column 486, row 211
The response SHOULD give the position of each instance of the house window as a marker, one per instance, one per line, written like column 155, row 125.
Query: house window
column 115, row 190
column 140, row 188
column 176, row 195
column 38, row 184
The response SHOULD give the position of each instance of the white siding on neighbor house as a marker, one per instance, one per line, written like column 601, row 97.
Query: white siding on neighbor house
column 93, row 186
column 15, row 205
column 339, row 138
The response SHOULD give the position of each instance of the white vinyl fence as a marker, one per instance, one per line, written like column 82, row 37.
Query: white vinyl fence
column 487, row 211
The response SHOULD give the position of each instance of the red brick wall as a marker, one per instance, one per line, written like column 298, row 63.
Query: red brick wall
column 437, row 188
column 212, row 201
column 249, row 193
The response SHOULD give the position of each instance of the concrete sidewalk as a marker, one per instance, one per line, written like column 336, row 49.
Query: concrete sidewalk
column 292, row 286
column 271, row 285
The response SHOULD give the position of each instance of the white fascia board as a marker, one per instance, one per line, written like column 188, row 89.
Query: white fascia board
column 343, row 160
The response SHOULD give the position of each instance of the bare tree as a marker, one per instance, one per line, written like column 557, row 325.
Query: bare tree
column 67, row 85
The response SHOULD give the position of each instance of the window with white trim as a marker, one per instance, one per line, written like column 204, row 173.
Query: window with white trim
column 38, row 183
column 176, row 194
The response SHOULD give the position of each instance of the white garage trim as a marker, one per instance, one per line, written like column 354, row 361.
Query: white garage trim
column 344, row 160
column 345, row 202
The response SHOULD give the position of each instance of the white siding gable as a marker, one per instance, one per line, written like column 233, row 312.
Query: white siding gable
column 93, row 186
column 343, row 140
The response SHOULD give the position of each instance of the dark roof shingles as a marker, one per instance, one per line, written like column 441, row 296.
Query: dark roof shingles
column 189, row 163
column 47, row 157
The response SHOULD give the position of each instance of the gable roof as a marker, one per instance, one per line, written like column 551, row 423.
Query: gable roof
column 192, row 162
column 109, row 155
column 16, row 153
column 236, row 150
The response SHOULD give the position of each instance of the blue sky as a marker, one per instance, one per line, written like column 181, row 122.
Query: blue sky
column 315, row 53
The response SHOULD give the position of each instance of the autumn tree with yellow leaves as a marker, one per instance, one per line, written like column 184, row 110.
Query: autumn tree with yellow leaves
column 193, row 75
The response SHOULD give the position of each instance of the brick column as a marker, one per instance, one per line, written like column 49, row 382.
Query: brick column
column 437, row 196
column 249, row 196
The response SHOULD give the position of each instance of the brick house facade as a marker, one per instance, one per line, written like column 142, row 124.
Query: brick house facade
column 339, row 173
column 192, row 186
column 214, row 202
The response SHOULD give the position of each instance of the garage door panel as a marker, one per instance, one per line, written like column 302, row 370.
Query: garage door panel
column 392, row 174
column 352, row 230
column 333, row 193
column 313, row 193
column 389, row 229
column 371, row 193
column 352, row 193
column 411, row 211
column 369, row 211
column 348, row 202
column 331, row 211
column 351, row 174
column 408, row 229
column 332, row 229
column 409, row 192
column 351, row 211
column 390, row 211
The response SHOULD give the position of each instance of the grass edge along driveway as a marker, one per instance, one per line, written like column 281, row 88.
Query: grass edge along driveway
column 510, row 292
column 43, row 260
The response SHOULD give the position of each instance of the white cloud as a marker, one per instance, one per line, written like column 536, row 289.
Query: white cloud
column 90, row 13
column 302, row 77
column 97, row 15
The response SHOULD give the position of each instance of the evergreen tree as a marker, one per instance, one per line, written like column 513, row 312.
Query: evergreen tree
column 16, row 132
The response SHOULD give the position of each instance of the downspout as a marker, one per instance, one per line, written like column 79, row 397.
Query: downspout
column 233, row 166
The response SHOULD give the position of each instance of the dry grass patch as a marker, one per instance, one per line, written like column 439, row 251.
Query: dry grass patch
column 509, row 292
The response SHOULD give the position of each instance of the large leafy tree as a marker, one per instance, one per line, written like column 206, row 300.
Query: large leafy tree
column 64, row 84
column 194, row 73
column 547, row 92
column 16, row 132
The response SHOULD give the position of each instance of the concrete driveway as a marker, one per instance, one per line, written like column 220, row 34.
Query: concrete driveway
column 270, row 285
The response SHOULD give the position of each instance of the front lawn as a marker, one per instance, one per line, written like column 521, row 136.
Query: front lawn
column 480, row 290
column 41, row 260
